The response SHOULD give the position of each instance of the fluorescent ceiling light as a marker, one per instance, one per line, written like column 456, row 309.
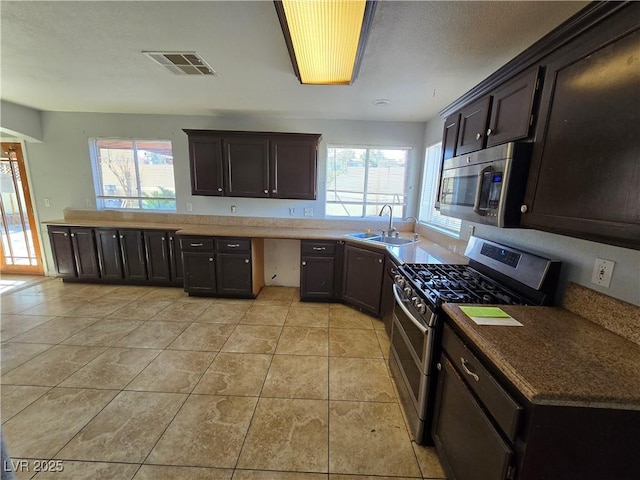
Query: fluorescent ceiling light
column 326, row 38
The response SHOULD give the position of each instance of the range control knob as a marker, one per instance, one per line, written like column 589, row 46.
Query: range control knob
column 400, row 281
column 408, row 292
column 417, row 303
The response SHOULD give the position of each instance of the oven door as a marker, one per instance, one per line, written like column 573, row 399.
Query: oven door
column 410, row 361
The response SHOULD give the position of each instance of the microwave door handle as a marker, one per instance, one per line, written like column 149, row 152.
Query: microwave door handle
column 413, row 319
column 476, row 203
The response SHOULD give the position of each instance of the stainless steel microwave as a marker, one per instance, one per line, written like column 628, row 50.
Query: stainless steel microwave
column 486, row 186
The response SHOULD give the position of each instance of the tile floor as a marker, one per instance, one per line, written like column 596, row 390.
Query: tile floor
column 123, row 382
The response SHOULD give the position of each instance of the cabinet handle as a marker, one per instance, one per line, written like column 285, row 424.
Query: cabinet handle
column 266, row 191
column 273, row 191
column 319, row 249
column 523, row 208
column 115, row 236
column 379, row 260
column 211, row 259
column 489, row 132
column 164, row 239
column 469, row 372
column 439, row 366
column 73, row 234
column 121, row 236
column 171, row 239
column 65, row 234
column 196, row 244
column 233, row 245
column 478, row 135
column 219, row 189
column 304, row 263
column 246, row 260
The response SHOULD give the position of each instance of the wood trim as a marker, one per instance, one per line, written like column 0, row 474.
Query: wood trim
column 257, row 265
column 585, row 19
column 37, row 269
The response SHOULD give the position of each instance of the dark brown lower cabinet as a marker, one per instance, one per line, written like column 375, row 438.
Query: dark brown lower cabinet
column 175, row 261
column 320, row 269
column 62, row 249
column 108, row 246
column 199, row 273
column 84, row 250
column 233, row 273
column 467, row 442
column 133, row 256
column 484, row 428
column 363, row 272
column 156, row 245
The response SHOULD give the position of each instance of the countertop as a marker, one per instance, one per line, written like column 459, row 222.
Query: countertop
column 423, row 251
column 558, row 357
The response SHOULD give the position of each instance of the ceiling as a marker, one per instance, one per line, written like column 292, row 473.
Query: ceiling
column 86, row 57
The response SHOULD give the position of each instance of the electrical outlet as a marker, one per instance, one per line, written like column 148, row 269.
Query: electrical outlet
column 189, row 207
column 602, row 272
column 87, row 202
column 292, row 211
column 233, row 209
column 47, row 202
column 471, row 229
column 308, row 211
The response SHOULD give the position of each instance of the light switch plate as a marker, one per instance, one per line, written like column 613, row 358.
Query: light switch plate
column 308, row 211
column 602, row 272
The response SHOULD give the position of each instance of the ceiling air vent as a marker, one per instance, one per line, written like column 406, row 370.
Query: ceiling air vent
column 182, row 63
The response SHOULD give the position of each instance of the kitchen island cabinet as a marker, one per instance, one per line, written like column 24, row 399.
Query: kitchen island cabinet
column 363, row 274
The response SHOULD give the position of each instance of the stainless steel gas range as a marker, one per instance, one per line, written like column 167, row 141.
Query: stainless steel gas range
column 496, row 274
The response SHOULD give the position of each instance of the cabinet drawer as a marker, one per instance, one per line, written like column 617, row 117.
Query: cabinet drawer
column 233, row 244
column 503, row 408
column 318, row 248
column 197, row 244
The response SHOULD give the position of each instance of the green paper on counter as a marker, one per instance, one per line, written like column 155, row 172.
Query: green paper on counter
column 489, row 312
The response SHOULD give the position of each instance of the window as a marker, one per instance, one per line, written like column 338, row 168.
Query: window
column 430, row 178
column 133, row 174
column 361, row 180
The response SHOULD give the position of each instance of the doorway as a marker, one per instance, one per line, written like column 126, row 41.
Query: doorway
column 19, row 248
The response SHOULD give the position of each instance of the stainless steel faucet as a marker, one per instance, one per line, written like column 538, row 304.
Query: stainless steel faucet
column 415, row 227
column 391, row 227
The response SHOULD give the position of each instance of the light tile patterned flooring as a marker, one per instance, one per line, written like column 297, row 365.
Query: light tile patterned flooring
column 124, row 382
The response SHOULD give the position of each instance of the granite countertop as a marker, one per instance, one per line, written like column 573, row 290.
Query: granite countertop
column 559, row 358
column 423, row 251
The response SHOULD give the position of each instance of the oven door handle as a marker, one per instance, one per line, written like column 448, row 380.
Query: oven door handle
column 400, row 303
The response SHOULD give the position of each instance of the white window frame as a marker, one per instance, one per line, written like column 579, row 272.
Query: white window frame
column 428, row 214
column 102, row 198
column 368, row 148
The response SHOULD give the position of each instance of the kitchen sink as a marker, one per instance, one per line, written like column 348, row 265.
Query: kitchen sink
column 364, row 235
column 392, row 240
column 374, row 237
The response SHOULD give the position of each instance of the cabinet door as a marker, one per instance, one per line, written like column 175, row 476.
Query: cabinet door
column 233, row 273
column 293, row 165
column 199, row 272
column 205, row 163
column 133, row 257
column 467, row 443
column 62, row 250
column 450, row 136
column 363, row 272
column 473, row 126
column 512, row 115
column 317, row 278
column 175, row 261
column 109, row 256
column 585, row 171
column 246, row 167
column 84, row 250
column 157, row 252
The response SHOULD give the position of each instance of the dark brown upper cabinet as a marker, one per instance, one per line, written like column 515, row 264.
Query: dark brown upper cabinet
column 512, row 109
column 585, row 174
column 205, row 164
column 450, row 136
column 246, row 167
column 473, row 126
column 254, row 164
column 293, row 168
